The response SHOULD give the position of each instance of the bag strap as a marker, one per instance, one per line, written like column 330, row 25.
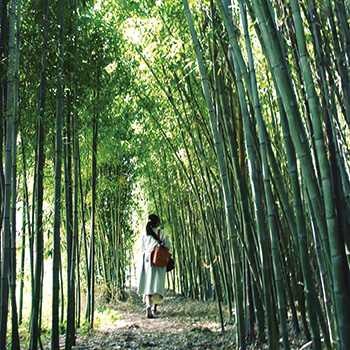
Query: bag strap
column 157, row 237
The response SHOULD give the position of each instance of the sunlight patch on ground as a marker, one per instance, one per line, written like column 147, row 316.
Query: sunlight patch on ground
column 121, row 324
column 115, row 325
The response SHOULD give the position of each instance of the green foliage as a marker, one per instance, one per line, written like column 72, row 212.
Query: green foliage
column 104, row 317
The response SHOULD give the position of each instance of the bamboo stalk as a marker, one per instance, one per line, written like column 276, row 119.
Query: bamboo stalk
column 38, row 271
column 58, row 175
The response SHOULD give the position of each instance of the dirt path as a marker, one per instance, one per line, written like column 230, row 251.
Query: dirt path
column 181, row 324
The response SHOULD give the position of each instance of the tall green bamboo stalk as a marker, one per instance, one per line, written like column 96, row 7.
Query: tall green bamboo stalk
column 38, row 272
column 8, row 273
column 90, row 303
column 14, row 17
column 21, row 271
column 70, row 330
column 3, row 83
column 58, row 178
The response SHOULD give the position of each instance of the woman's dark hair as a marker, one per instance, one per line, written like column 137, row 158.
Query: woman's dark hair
column 153, row 221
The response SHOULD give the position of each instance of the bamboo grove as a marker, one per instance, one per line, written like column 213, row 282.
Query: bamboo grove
column 229, row 119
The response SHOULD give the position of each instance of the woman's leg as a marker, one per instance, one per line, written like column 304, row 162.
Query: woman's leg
column 148, row 300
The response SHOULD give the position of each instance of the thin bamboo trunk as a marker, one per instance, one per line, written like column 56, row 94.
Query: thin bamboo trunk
column 90, row 304
column 21, row 281
column 76, row 162
column 58, row 178
column 14, row 36
column 71, row 242
column 85, row 240
column 3, row 86
column 38, row 272
column 8, row 273
column 69, row 223
column 76, row 192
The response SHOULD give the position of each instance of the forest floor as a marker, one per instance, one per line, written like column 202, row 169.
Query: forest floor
column 181, row 323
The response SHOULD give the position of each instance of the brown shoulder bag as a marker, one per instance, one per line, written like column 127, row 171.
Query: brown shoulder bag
column 160, row 255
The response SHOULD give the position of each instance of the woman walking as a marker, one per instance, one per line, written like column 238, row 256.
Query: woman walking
column 151, row 278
